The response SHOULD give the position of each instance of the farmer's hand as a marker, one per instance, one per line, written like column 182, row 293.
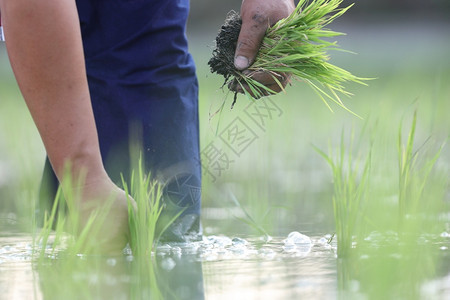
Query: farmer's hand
column 257, row 16
column 109, row 232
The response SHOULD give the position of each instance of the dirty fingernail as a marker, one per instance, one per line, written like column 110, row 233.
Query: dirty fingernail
column 241, row 62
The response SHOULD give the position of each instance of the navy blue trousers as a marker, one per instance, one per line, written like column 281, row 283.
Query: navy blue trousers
column 143, row 89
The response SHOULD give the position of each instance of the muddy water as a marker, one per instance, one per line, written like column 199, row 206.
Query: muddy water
column 17, row 278
column 219, row 267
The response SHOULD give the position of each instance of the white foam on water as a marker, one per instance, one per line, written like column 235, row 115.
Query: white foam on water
column 297, row 238
column 111, row 262
column 239, row 241
column 168, row 264
column 297, row 244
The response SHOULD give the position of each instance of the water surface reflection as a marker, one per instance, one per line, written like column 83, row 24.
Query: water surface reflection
column 222, row 267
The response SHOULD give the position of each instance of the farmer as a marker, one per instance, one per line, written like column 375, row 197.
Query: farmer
column 106, row 76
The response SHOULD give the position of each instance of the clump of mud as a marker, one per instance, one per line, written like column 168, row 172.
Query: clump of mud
column 222, row 61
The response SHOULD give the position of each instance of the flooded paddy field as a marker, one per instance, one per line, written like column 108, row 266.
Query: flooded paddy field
column 270, row 183
column 218, row 267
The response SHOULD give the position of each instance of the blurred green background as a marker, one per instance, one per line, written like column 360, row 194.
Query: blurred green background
column 269, row 178
column 278, row 178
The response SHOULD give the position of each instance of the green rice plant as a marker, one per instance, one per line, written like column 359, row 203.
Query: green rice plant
column 78, row 235
column 413, row 177
column 75, row 231
column 393, row 261
column 42, row 238
column 249, row 220
column 350, row 181
column 74, row 249
column 143, row 218
column 294, row 46
column 67, row 236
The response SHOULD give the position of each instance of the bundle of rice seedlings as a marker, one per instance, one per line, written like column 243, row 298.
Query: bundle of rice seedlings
column 294, row 46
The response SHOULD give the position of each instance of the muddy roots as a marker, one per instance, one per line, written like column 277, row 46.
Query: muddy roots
column 222, row 61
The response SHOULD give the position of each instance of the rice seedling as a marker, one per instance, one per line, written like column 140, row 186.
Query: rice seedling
column 144, row 217
column 248, row 219
column 75, row 233
column 294, row 46
column 65, row 217
column 49, row 220
column 413, row 177
column 400, row 253
column 350, row 181
column 62, row 237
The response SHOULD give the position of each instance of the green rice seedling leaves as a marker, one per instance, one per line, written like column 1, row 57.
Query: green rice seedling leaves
column 43, row 236
column 248, row 218
column 143, row 219
column 350, row 180
column 295, row 46
column 79, row 228
column 413, row 178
